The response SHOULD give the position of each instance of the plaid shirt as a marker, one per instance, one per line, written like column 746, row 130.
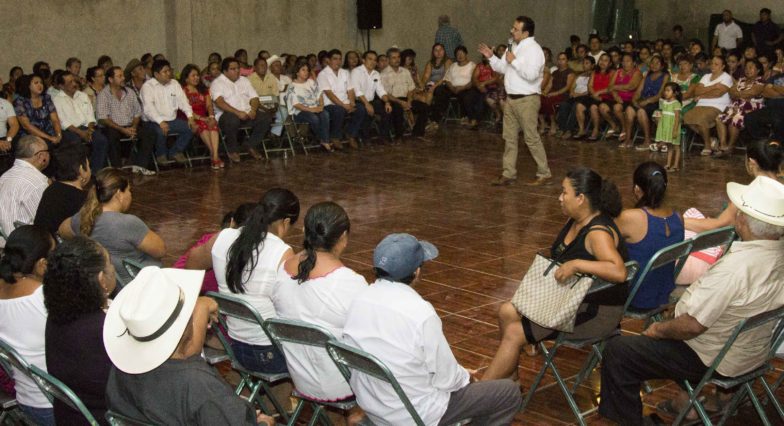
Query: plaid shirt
column 121, row 111
column 450, row 37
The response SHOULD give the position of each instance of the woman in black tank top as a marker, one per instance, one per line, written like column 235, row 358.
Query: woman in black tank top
column 590, row 243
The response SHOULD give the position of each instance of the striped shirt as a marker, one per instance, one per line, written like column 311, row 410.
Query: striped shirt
column 121, row 111
column 21, row 188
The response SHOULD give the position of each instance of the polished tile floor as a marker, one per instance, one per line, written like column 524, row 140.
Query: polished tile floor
column 438, row 190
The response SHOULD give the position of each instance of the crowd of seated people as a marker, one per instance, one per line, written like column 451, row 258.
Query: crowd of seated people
column 65, row 242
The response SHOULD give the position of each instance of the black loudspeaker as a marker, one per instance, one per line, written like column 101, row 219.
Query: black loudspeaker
column 369, row 14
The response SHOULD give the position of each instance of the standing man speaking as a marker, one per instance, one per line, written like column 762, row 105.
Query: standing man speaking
column 522, row 68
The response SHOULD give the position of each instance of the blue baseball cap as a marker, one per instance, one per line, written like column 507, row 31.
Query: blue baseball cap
column 399, row 255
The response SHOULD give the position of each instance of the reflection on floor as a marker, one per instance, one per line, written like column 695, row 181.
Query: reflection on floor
column 438, row 190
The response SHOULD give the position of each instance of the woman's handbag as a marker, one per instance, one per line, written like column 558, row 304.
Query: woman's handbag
column 547, row 302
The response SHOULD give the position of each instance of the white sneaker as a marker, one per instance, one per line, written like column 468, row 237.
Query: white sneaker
column 142, row 171
column 714, row 144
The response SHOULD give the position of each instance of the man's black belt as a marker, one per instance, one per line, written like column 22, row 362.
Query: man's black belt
column 511, row 96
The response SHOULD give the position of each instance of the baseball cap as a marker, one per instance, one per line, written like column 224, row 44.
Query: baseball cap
column 399, row 255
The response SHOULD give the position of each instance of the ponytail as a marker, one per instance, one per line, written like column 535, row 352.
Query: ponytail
column 243, row 256
column 651, row 178
column 610, row 201
column 108, row 182
column 89, row 212
column 325, row 224
column 307, row 264
column 244, row 252
column 24, row 248
column 601, row 193
column 767, row 154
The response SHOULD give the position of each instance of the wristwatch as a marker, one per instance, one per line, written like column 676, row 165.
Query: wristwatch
column 8, row 139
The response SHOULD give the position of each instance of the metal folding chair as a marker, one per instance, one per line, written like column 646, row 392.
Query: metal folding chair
column 117, row 419
column 452, row 112
column 745, row 381
column 299, row 133
column 10, row 408
column 596, row 346
column 284, row 332
column 348, row 358
column 256, row 382
column 722, row 237
column 132, row 267
column 55, row 389
column 677, row 254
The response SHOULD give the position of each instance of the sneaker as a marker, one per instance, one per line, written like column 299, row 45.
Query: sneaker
column 142, row 171
column 539, row 181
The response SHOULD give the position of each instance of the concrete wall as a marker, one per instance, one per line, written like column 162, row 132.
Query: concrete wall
column 188, row 30
column 659, row 16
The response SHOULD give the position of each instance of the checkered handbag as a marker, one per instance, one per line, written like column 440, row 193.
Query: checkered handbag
column 545, row 301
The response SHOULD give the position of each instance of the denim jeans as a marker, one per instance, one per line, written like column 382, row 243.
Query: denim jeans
column 39, row 416
column 99, row 147
column 265, row 359
column 319, row 123
column 336, row 116
column 184, row 136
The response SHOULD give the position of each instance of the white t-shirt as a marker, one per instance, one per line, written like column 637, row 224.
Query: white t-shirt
column 237, row 94
column 23, row 327
column 339, row 84
column 722, row 102
column 460, row 75
column 322, row 301
column 728, row 35
column 258, row 287
column 581, row 84
column 6, row 110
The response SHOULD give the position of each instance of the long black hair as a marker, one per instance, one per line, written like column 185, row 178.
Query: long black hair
column 25, row 246
column 72, row 288
column 767, row 154
column 651, row 178
column 200, row 87
column 601, row 193
column 325, row 223
column 276, row 204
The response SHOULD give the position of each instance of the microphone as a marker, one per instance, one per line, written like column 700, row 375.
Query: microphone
column 509, row 43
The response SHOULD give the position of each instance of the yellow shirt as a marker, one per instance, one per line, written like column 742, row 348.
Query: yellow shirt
column 266, row 87
column 747, row 281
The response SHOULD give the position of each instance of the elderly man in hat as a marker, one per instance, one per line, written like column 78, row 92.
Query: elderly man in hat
column 747, row 281
column 393, row 322
column 154, row 333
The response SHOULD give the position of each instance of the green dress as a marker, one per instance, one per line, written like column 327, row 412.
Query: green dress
column 685, row 84
column 664, row 130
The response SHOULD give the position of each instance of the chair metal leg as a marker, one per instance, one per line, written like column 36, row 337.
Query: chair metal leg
column 732, row 407
column 757, row 405
column 693, row 402
column 771, row 396
column 275, row 403
column 590, row 363
column 297, row 411
column 567, row 395
column 316, row 414
column 548, row 356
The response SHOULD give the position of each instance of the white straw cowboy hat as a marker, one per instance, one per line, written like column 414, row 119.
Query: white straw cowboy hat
column 762, row 199
column 274, row 58
column 146, row 320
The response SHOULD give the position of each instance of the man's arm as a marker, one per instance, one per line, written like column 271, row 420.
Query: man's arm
column 445, row 372
column 684, row 327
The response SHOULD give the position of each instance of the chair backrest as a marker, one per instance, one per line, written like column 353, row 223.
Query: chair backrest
column 18, row 223
column 599, row 284
column 348, row 358
column 117, row 419
column 10, row 359
column 676, row 253
column 232, row 306
column 298, row 332
column 55, row 389
column 132, row 267
column 722, row 237
column 775, row 316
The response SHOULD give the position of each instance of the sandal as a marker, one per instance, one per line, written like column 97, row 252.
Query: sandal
column 653, row 147
column 609, row 134
column 622, row 136
column 664, row 148
column 590, row 139
column 706, row 152
column 578, row 136
column 531, row 350
column 327, row 147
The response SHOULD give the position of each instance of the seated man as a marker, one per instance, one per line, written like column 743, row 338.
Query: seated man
column 743, row 283
column 265, row 83
column 370, row 91
column 391, row 321
column 22, row 186
column 237, row 106
column 158, row 374
column 161, row 98
column 771, row 117
column 340, row 101
column 399, row 84
column 118, row 110
column 77, row 119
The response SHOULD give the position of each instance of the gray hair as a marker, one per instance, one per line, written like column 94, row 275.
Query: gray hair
column 762, row 229
column 27, row 146
column 443, row 19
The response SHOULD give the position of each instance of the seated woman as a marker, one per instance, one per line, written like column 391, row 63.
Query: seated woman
column 713, row 97
column 746, row 96
column 457, row 82
column 305, row 103
column 599, row 88
column 687, row 80
column 623, row 87
column 485, row 82
column 579, row 91
column 645, row 102
column 763, row 158
column 203, row 114
column 556, row 92
column 66, row 195
column 35, row 110
column 246, row 263
column 649, row 227
column 314, row 286
column 198, row 256
column 643, row 59
column 78, row 280
column 104, row 219
column 589, row 243
column 433, row 77
column 23, row 314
